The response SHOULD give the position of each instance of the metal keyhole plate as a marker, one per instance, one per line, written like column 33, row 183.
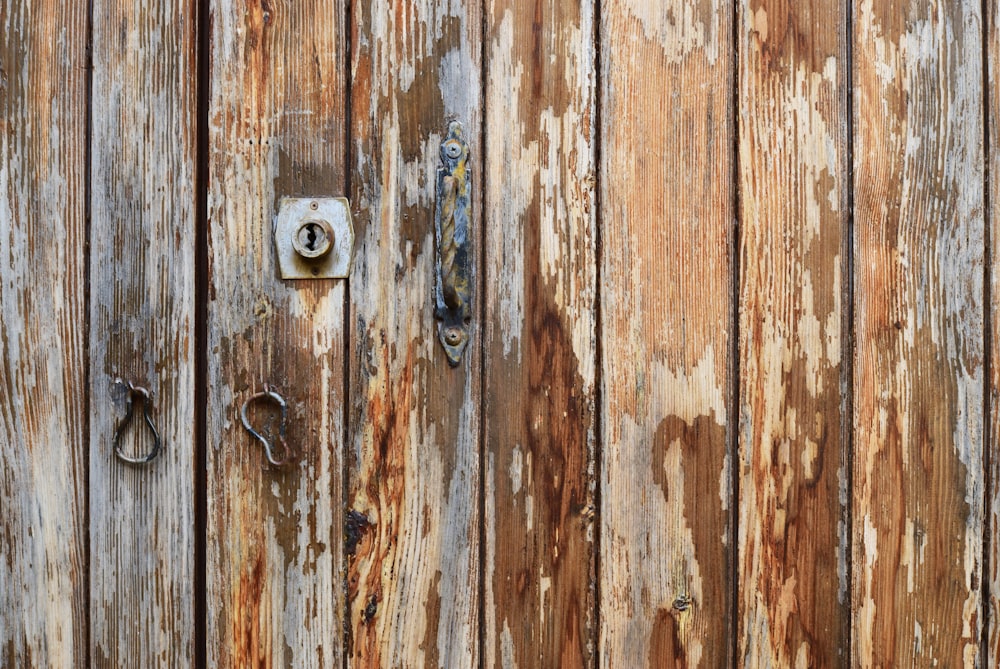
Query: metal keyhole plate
column 314, row 237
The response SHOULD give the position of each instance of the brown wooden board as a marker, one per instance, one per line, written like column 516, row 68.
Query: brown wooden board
column 991, row 579
column 793, row 551
column 142, row 331
column 666, row 276
column 43, row 365
column 414, row 464
column 274, row 546
column 541, row 332
column 919, row 256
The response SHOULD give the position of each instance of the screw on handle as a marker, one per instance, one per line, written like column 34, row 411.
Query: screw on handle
column 269, row 395
column 140, row 393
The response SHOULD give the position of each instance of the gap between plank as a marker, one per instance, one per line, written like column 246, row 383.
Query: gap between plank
column 984, row 580
column 345, row 409
column 201, row 398
column 598, row 325
column 481, row 260
column 87, row 181
column 847, row 333
column 732, row 435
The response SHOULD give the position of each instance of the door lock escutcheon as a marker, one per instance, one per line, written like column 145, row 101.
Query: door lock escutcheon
column 314, row 237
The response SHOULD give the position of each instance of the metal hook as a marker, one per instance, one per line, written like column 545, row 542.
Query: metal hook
column 135, row 391
column 269, row 394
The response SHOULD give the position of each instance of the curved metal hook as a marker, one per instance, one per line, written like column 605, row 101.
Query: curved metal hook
column 269, row 394
column 135, row 391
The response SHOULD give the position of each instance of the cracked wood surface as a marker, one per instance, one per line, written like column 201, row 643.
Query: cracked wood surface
column 414, row 467
column 274, row 545
column 540, row 247
column 792, row 602
column 666, row 221
column 142, row 330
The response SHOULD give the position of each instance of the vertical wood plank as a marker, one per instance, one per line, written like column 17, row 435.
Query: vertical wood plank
column 540, row 335
column 666, row 222
column 43, row 404
column 919, row 249
column 992, row 456
column 142, row 330
column 793, row 151
column 414, row 424
column 274, row 547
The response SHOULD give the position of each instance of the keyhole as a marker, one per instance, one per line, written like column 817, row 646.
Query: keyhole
column 313, row 239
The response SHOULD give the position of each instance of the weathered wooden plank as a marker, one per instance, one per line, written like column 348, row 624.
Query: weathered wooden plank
column 274, row 546
column 142, row 330
column 540, row 255
column 666, row 226
column 414, row 423
column 919, row 254
column 992, row 456
column 792, row 608
column 43, row 397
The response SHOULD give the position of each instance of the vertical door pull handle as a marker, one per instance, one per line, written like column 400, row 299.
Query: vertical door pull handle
column 453, row 285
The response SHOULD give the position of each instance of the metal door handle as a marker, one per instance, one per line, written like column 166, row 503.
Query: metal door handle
column 134, row 393
column 453, row 288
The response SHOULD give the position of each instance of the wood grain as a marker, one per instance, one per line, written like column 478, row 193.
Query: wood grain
column 666, row 230
column 43, row 395
column 274, row 545
column 540, row 336
column 919, row 251
column 414, row 423
column 793, row 550
column 142, row 330
column 991, row 579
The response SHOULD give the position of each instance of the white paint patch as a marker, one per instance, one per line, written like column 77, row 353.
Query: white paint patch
column 567, row 227
column 544, row 585
column 516, row 462
column 507, row 647
column 802, row 657
column 489, row 606
column 509, row 188
column 866, row 604
column 725, row 489
column 459, row 81
column 687, row 395
column 679, row 28
column 810, row 453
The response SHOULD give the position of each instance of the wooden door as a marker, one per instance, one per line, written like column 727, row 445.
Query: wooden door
column 728, row 396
